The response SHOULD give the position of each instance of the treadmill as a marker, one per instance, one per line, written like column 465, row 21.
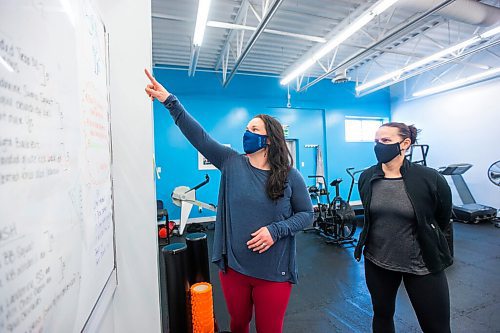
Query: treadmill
column 469, row 211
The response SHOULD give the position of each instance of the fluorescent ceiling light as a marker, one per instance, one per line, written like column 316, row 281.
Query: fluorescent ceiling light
column 6, row 65
column 201, row 21
column 490, row 32
column 343, row 35
column 459, row 83
column 436, row 56
column 382, row 6
column 359, row 23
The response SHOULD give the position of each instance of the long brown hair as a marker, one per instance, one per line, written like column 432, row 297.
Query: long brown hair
column 279, row 157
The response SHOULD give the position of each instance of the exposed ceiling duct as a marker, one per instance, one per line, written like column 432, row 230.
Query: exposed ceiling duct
column 467, row 11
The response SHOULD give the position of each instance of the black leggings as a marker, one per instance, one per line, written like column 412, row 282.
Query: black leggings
column 428, row 294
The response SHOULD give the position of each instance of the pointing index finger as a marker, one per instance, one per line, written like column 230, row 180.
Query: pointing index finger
column 151, row 78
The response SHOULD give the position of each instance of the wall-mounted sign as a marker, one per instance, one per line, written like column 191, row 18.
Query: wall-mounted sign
column 204, row 164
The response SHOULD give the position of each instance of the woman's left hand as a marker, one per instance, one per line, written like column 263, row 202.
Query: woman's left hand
column 261, row 241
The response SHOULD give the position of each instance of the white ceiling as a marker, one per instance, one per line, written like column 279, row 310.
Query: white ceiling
column 315, row 21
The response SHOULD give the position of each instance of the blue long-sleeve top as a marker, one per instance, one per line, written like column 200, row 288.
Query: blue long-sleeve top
column 244, row 207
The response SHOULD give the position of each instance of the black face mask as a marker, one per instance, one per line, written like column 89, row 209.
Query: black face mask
column 387, row 152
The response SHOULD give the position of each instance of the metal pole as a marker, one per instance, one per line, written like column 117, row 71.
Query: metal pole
column 253, row 39
column 194, row 60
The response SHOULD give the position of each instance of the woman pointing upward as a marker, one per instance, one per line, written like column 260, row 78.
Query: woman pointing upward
column 263, row 202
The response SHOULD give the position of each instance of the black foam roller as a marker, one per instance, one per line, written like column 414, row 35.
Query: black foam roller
column 175, row 257
column 197, row 252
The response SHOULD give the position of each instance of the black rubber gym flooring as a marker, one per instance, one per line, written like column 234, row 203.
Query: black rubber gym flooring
column 332, row 297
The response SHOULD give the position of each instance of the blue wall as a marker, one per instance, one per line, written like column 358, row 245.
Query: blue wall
column 316, row 117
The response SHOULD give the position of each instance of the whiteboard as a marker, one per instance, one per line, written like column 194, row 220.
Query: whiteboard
column 56, row 218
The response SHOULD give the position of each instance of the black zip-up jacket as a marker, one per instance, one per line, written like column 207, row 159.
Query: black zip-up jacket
column 430, row 197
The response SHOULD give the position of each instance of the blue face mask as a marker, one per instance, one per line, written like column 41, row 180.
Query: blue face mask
column 253, row 142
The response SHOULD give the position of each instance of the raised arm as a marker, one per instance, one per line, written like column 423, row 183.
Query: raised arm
column 213, row 151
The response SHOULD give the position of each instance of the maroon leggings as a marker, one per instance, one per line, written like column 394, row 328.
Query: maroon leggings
column 243, row 292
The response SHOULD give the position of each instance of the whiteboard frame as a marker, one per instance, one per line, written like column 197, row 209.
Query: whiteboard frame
column 99, row 310
column 106, row 296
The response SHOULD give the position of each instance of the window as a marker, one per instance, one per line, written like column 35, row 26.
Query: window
column 359, row 129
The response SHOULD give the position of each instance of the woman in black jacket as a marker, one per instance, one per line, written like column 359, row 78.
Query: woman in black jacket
column 407, row 208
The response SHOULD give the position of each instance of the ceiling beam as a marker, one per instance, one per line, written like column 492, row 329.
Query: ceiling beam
column 406, row 28
column 224, row 25
column 357, row 11
column 171, row 17
column 262, row 26
column 239, row 17
column 453, row 59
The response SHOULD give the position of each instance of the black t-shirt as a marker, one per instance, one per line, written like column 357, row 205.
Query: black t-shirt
column 392, row 242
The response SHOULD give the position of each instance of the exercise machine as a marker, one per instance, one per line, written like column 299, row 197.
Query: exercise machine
column 357, row 206
column 494, row 173
column 494, row 177
column 418, row 150
column 335, row 219
column 165, row 226
column 185, row 198
column 469, row 211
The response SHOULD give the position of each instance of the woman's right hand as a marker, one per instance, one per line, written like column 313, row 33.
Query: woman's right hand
column 155, row 89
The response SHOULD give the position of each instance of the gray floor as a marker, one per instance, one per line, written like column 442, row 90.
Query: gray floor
column 332, row 296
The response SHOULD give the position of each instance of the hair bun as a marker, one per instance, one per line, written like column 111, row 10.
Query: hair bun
column 413, row 133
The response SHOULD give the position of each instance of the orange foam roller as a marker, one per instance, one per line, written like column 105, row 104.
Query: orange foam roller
column 202, row 308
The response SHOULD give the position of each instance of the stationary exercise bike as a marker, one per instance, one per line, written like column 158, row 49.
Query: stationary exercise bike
column 335, row 219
